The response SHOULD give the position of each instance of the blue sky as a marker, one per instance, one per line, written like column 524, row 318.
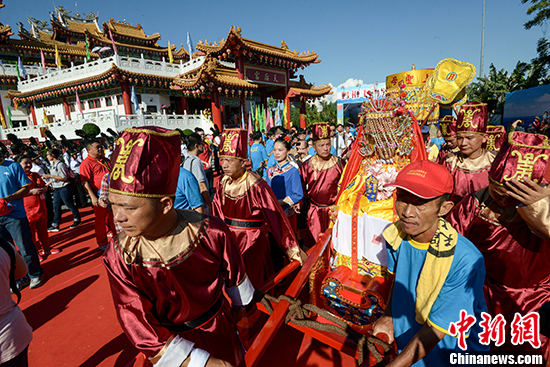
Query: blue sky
column 365, row 40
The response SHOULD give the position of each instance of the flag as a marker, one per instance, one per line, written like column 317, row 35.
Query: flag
column 189, row 46
column 42, row 60
column 112, row 41
column 17, row 69
column 170, row 56
column 87, row 49
column 78, row 104
column 285, row 118
column 9, row 117
column 21, row 67
column 2, row 120
column 57, row 58
column 2, row 66
column 45, row 120
column 134, row 100
column 250, row 130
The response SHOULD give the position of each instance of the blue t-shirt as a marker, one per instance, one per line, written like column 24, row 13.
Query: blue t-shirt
column 188, row 193
column 439, row 142
column 13, row 177
column 257, row 155
column 462, row 290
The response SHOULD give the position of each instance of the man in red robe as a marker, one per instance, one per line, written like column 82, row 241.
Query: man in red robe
column 248, row 206
column 320, row 176
column 448, row 131
column 168, row 268
column 509, row 222
column 470, row 167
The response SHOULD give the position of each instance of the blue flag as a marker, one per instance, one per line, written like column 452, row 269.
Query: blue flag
column 134, row 100
column 189, row 45
column 21, row 67
column 2, row 66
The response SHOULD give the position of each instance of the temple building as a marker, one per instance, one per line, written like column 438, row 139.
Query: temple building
column 121, row 77
column 237, row 73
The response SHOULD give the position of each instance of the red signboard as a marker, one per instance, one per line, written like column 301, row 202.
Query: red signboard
column 263, row 76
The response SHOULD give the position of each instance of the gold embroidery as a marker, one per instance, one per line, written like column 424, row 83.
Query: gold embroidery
column 467, row 121
column 228, row 140
column 525, row 165
column 324, row 130
column 491, row 139
column 126, row 149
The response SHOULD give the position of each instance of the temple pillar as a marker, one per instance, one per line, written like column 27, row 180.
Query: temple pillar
column 303, row 121
column 184, row 105
column 126, row 99
column 240, row 67
column 216, row 110
column 67, row 109
column 33, row 113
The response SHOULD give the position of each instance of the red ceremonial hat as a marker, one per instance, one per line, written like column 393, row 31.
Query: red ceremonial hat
column 496, row 136
column 234, row 144
column 321, row 131
column 448, row 126
column 472, row 118
column 425, row 179
column 522, row 155
column 146, row 162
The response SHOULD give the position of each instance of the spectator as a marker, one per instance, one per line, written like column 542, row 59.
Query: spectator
column 15, row 332
column 188, row 194
column 206, row 159
column 81, row 199
column 438, row 140
column 109, row 151
column 14, row 226
column 92, row 170
column 35, row 207
column 257, row 154
column 193, row 164
column 62, row 191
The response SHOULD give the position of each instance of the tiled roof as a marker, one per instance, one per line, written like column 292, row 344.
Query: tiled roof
column 81, row 27
column 129, row 30
column 279, row 52
column 212, row 70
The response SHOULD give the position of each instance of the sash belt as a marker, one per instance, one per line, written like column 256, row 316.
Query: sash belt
column 319, row 205
column 199, row 321
column 244, row 223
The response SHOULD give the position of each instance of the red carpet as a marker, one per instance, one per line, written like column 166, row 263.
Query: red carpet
column 74, row 321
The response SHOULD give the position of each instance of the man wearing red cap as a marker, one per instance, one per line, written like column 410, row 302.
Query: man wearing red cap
column 168, row 267
column 470, row 167
column 448, row 131
column 438, row 273
column 320, row 176
column 509, row 222
column 248, row 206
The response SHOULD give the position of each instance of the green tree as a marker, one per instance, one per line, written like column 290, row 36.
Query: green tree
column 541, row 9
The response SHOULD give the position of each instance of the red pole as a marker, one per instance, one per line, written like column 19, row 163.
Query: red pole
column 126, row 98
column 303, row 122
column 216, row 111
column 184, row 104
column 287, row 104
column 240, row 67
column 67, row 109
column 33, row 113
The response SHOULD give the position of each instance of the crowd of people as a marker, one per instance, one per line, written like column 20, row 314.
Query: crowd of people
column 470, row 227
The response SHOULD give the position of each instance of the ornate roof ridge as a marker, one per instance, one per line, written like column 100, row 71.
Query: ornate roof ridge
column 123, row 28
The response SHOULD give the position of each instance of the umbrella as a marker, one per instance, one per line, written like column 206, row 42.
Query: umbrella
column 104, row 49
column 164, row 106
column 96, row 49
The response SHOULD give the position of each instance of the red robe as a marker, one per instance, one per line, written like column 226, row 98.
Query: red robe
column 517, row 260
column 250, row 209
column 158, row 285
column 320, row 180
column 469, row 175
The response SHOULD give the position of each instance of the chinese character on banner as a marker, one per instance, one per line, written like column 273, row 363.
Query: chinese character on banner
column 492, row 330
column 460, row 328
column 526, row 329
column 409, row 78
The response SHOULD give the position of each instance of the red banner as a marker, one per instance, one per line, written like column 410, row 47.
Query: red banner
column 263, row 76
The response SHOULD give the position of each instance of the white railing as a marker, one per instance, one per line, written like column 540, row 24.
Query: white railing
column 11, row 69
column 192, row 64
column 111, row 120
column 96, row 67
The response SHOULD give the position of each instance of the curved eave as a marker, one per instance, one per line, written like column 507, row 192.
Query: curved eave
column 221, row 78
column 234, row 38
column 58, row 90
column 311, row 92
column 113, row 27
column 36, row 46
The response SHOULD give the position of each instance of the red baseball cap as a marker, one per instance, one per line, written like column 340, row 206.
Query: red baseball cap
column 425, row 179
